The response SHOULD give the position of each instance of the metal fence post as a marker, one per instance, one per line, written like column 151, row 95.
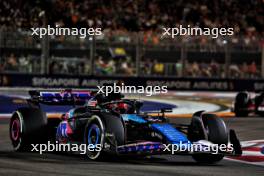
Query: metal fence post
column 138, row 54
column 262, row 62
column 227, row 60
column 1, row 58
column 183, row 59
column 44, row 48
column 92, row 54
column 45, row 55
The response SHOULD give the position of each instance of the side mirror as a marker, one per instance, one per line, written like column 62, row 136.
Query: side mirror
column 163, row 110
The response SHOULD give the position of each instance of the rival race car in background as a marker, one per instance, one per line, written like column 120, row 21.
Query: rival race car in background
column 246, row 103
column 117, row 124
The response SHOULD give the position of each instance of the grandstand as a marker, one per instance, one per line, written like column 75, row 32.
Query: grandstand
column 133, row 27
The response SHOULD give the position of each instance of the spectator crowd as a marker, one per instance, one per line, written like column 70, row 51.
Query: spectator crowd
column 121, row 20
column 148, row 16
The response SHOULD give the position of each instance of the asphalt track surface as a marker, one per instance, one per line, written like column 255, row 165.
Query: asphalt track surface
column 12, row 163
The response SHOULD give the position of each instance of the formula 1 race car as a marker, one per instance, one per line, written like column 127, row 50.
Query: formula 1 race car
column 118, row 126
column 246, row 103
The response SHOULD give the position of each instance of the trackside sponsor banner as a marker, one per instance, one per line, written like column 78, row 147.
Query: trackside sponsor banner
column 194, row 85
column 54, row 82
column 60, row 81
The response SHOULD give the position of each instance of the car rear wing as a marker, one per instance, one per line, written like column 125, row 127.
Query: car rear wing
column 61, row 97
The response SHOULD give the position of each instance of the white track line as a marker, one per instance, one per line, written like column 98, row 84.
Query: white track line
column 187, row 106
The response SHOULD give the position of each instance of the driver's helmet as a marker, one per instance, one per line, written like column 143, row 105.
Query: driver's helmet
column 68, row 115
column 91, row 102
column 125, row 108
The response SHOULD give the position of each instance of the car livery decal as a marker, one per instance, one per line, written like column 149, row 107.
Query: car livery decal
column 64, row 130
column 172, row 134
column 63, row 96
column 141, row 147
column 133, row 117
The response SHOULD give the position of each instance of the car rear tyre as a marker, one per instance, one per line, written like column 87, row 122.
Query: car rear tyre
column 239, row 113
column 258, row 102
column 27, row 126
column 241, row 102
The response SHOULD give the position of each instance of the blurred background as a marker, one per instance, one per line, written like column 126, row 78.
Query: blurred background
column 131, row 45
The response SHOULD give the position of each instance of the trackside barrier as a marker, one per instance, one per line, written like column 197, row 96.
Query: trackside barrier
column 192, row 84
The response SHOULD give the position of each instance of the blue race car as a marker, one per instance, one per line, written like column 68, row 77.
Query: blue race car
column 112, row 125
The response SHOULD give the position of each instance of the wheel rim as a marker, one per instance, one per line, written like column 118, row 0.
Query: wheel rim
column 94, row 135
column 15, row 129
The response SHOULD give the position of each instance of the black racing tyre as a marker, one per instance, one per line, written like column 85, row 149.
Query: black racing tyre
column 239, row 113
column 241, row 102
column 215, row 130
column 258, row 101
column 242, row 98
column 27, row 126
column 95, row 133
